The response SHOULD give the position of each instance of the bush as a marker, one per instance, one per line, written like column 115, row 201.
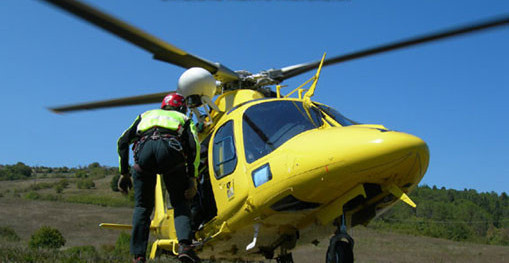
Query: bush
column 39, row 186
column 97, row 173
column 85, row 184
column 114, row 183
column 64, row 183
column 59, row 189
column 81, row 174
column 47, row 237
column 8, row 234
column 498, row 236
column 32, row 195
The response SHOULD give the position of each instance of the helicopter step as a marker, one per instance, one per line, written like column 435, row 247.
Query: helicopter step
column 340, row 248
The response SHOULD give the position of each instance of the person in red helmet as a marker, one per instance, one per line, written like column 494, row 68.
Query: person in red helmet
column 166, row 143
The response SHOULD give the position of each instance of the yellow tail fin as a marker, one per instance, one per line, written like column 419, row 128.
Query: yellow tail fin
column 159, row 206
column 162, row 222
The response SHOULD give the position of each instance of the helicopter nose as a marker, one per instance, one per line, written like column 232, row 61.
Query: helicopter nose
column 340, row 158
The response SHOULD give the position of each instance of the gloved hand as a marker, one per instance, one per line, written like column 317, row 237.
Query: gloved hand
column 124, row 183
column 192, row 189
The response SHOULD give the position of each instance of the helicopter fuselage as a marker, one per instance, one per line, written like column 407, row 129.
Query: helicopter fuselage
column 284, row 165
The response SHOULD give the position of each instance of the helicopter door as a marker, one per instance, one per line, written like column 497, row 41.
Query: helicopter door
column 228, row 184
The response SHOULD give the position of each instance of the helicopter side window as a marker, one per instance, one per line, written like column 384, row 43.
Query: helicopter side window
column 338, row 117
column 266, row 126
column 224, row 156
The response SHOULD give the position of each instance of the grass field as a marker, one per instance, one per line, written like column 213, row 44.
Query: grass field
column 79, row 225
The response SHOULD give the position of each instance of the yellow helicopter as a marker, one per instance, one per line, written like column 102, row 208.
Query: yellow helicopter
column 277, row 170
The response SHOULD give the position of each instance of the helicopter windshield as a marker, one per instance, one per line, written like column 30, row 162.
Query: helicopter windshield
column 266, row 126
column 344, row 121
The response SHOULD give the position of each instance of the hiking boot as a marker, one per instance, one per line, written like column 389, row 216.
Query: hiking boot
column 139, row 259
column 187, row 254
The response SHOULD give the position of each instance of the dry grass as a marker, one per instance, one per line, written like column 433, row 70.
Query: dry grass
column 79, row 225
column 378, row 246
column 77, row 222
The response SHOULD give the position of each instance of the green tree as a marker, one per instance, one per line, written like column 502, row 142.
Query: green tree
column 94, row 165
column 22, row 169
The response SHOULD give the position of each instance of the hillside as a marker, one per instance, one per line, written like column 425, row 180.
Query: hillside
column 76, row 200
column 456, row 215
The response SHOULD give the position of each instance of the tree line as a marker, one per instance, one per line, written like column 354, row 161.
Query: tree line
column 21, row 171
column 461, row 215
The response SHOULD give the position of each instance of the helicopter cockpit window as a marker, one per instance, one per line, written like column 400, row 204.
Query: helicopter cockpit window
column 344, row 121
column 224, row 156
column 266, row 126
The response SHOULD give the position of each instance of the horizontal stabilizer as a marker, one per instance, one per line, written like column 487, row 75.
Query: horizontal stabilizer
column 116, row 226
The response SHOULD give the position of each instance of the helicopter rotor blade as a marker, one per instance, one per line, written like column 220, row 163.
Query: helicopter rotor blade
column 294, row 70
column 134, row 100
column 160, row 49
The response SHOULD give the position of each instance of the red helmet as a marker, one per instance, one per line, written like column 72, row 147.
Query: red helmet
column 174, row 101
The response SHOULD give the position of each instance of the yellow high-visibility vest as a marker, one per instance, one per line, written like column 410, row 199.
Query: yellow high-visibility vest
column 171, row 120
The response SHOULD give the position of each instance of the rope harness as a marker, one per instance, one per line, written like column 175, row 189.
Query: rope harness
column 172, row 141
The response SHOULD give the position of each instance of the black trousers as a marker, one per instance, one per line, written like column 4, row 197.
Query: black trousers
column 156, row 157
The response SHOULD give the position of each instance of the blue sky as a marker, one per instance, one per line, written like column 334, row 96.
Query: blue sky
column 453, row 93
